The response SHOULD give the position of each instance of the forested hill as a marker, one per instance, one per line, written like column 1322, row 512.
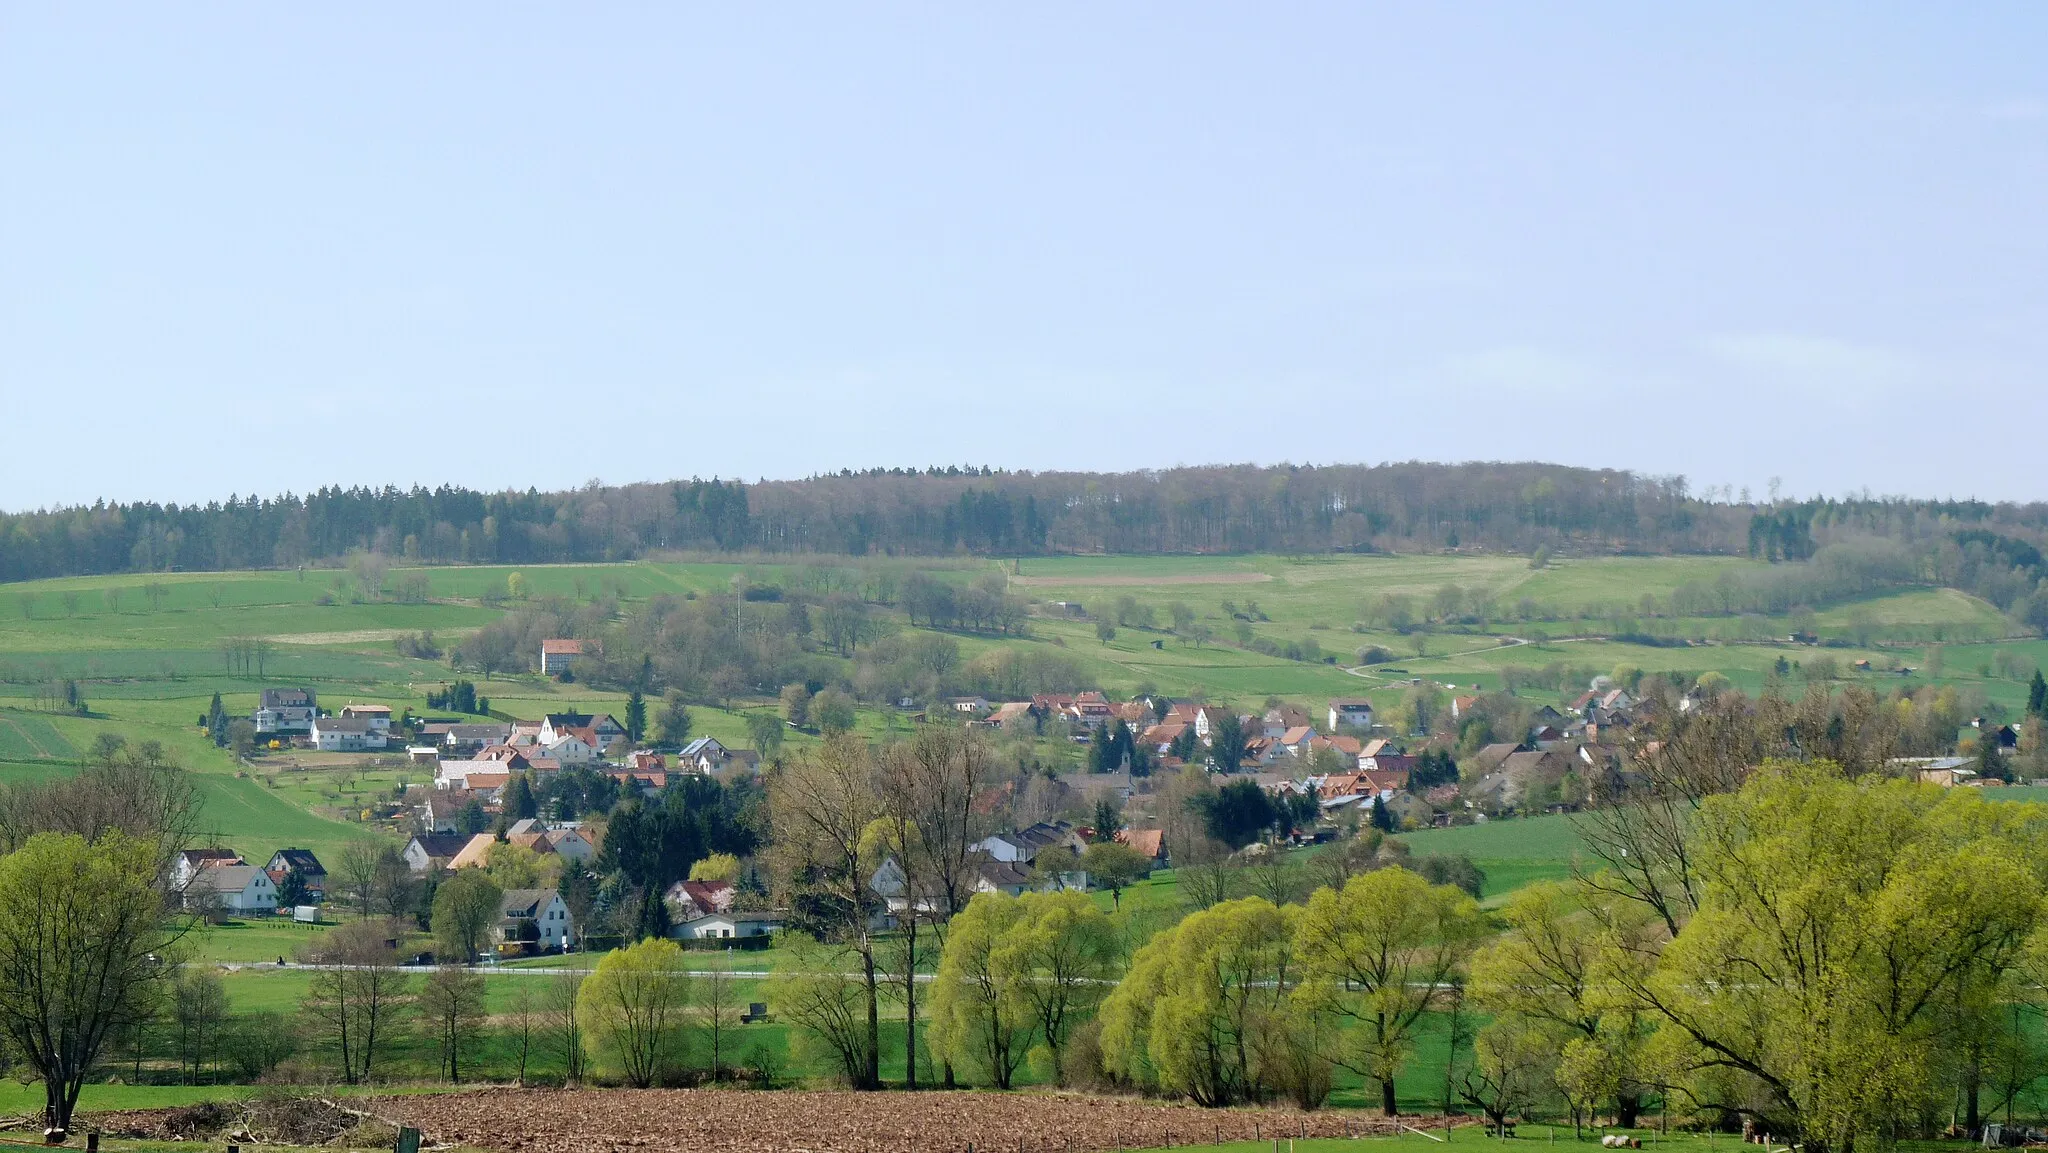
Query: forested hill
column 1242, row 508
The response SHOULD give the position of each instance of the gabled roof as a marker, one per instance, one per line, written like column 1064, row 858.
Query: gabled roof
column 484, row 731
column 441, row 846
column 561, row 646
column 1296, row 735
column 341, row 724
column 301, row 859
column 1001, row 874
column 219, row 877
column 523, row 904
column 1489, row 757
column 1151, row 842
column 475, row 854
column 225, row 856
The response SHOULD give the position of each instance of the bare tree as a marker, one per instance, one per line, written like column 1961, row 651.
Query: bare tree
column 199, row 1009
column 357, row 1000
column 820, row 803
column 357, row 868
column 927, row 790
column 452, row 1005
column 721, row 1011
column 522, row 1024
column 562, row 1023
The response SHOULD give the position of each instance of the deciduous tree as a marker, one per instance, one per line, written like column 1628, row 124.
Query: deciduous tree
column 79, row 959
column 634, row 1004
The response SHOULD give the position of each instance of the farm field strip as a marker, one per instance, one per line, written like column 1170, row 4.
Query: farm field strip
column 811, row 1121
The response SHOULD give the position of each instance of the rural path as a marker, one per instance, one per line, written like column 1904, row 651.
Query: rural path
column 1364, row 671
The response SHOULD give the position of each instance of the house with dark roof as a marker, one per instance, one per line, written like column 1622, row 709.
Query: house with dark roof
column 431, row 852
column 305, row 864
column 1350, row 713
column 467, row 737
column 536, row 918
column 284, row 711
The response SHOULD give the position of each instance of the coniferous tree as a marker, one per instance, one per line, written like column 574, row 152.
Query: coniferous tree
column 2037, row 696
column 636, row 717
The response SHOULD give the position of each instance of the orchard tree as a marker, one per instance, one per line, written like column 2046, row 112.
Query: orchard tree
column 1114, row 866
column 466, row 907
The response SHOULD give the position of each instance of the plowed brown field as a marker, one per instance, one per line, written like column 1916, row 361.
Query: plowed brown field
column 704, row 1120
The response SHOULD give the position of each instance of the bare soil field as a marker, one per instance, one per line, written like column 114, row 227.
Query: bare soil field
column 703, row 1120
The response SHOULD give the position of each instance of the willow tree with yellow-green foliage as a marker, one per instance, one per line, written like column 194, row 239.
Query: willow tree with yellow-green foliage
column 1015, row 978
column 1843, row 928
column 1377, row 953
column 634, row 1003
column 1209, row 1010
column 979, row 1017
column 1552, row 972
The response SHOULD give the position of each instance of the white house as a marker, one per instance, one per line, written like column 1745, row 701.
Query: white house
column 571, row 750
column 190, row 861
column 456, row 774
column 431, row 851
column 544, row 910
column 1350, row 713
column 600, row 729
column 558, row 655
column 345, row 735
column 284, row 711
column 572, row 844
column 723, row 925
column 379, row 716
column 232, row 889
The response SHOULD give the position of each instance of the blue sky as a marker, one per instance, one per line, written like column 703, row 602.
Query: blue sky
column 258, row 248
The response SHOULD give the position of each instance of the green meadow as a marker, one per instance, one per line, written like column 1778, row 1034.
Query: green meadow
column 147, row 653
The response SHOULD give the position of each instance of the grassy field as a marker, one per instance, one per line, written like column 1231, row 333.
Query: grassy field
column 1511, row 853
column 148, row 650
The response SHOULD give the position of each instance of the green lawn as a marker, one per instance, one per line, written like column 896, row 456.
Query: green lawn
column 1512, row 853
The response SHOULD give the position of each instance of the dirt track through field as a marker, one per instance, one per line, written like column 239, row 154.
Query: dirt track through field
column 707, row 1120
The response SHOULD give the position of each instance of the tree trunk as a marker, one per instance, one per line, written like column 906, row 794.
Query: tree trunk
column 872, row 1074
column 1627, row 1108
column 1387, row 1097
column 910, row 1003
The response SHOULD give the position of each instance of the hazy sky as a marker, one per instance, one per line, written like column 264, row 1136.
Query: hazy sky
column 265, row 248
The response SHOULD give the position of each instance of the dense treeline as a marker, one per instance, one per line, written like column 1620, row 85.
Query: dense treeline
column 1235, row 508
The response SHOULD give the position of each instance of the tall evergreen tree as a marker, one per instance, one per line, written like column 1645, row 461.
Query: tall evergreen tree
column 519, row 799
column 2037, row 696
column 636, row 717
